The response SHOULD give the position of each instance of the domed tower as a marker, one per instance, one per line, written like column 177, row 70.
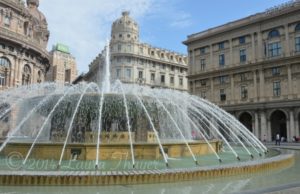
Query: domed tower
column 125, row 29
column 40, row 30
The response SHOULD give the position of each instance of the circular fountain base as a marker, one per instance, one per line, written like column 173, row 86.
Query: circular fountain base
column 112, row 151
column 89, row 178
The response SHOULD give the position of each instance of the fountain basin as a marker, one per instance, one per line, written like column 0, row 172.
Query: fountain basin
column 112, row 151
column 93, row 178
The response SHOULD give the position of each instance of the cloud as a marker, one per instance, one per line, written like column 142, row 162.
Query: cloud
column 181, row 20
column 85, row 25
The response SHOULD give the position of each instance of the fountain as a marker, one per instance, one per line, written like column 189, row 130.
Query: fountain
column 117, row 133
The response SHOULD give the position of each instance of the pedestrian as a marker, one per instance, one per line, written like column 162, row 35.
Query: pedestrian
column 277, row 139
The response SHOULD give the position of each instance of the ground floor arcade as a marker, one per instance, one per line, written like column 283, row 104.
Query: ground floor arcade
column 265, row 120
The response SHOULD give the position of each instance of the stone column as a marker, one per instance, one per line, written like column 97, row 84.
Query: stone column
column 263, row 126
column 297, row 127
column 230, row 53
column 194, row 87
column 256, row 130
column 211, row 57
column 194, row 68
column 261, row 85
column 254, row 86
column 290, row 83
column 260, row 46
column 287, row 40
column 212, row 89
column 292, row 126
column 269, row 130
column 253, row 48
column 232, row 88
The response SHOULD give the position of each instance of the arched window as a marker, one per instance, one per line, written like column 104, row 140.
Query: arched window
column 4, row 69
column 4, row 62
column 297, row 28
column 26, row 76
column 273, row 34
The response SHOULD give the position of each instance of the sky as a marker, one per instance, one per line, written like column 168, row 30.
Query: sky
column 85, row 25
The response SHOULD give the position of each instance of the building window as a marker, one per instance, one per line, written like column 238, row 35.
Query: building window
column 202, row 50
column 26, row 76
column 128, row 73
column 2, row 79
column 203, row 94
column 129, row 48
column 7, row 21
column 242, row 40
column 181, row 81
column 118, row 59
column 140, row 74
column 244, row 92
column 118, row 73
column 172, row 80
column 172, row 68
column 274, row 34
column 141, row 50
column 221, row 60
column 275, row 71
column 4, row 63
column 203, row 82
column 276, row 88
column 120, row 35
column 203, row 64
column 119, row 47
column 181, row 70
column 243, row 77
column 128, row 60
column 297, row 28
column 221, row 45
column 243, row 56
column 274, row 49
column 152, row 53
column 297, row 40
column 222, row 95
column 222, row 79
column 162, row 56
column 153, row 77
column 162, row 79
column 163, row 66
column 171, row 57
column 2, row 46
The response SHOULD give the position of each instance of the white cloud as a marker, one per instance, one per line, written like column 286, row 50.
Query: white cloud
column 181, row 20
column 85, row 25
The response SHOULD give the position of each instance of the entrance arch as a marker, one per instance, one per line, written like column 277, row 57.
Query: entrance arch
column 246, row 119
column 278, row 124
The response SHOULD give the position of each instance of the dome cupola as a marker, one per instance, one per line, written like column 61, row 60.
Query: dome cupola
column 125, row 29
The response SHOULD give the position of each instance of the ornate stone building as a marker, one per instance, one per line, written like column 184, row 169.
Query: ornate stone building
column 63, row 65
column 251, row 68
column 135, row 62
column 23, row 39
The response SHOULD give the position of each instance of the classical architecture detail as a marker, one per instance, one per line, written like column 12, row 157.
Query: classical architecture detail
column 63, row 65
column 251, row 68
column 23, row 39
column 136, row 62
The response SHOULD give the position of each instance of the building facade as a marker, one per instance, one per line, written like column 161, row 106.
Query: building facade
column 136, row 62
column 251, row 68
column 23, row 40
column 63, row 65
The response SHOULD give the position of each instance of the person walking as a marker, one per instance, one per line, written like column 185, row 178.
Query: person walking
column 277, row 139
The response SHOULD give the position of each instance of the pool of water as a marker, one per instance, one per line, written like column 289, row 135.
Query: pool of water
column 218, row 185
column 14, row 162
